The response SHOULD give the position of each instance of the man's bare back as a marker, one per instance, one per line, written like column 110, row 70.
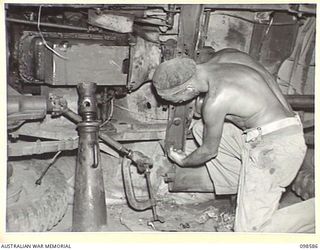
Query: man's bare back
column 235, row 56
column 246, row 98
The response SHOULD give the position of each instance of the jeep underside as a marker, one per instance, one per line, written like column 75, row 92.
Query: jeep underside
column 52, row 48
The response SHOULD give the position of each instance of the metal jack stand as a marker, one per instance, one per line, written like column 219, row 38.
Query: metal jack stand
column 89, row 210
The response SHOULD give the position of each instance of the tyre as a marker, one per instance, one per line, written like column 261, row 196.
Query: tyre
column 31, row 207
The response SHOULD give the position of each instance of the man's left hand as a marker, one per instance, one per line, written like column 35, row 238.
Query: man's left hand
column 177, row 155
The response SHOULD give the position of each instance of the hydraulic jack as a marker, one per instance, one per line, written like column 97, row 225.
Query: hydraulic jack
column 89, row 210
column 89, row 206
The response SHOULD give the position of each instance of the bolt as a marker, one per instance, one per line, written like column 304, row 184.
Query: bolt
column 177, row 121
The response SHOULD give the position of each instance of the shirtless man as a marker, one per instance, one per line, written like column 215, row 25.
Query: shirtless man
column 250, row 140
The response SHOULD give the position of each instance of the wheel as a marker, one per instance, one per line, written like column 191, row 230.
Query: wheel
column 32, row 207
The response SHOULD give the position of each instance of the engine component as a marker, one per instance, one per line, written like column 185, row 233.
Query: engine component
column 89, row 211
column 80, row 57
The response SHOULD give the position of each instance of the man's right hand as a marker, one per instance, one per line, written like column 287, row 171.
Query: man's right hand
column 177, row 155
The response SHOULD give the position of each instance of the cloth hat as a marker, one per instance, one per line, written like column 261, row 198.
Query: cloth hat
column 172, row 74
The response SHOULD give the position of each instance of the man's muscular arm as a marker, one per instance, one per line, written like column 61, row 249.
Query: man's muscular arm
column 213, row 117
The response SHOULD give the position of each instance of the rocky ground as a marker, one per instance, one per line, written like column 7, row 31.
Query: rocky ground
column 212, row 216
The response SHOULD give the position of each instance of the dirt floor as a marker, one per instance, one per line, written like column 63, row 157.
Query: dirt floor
column 212, row 216
column 205, row 217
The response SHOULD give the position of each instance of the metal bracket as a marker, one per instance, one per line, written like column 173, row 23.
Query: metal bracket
column 180, row 116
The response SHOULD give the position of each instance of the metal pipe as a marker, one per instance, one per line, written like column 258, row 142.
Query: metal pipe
column 44, row 24
column 72, row 115
column 301, row 101
column 89, row 210
column 20, row 103
column 114, row 144
column 293, row 8
column 273, row 7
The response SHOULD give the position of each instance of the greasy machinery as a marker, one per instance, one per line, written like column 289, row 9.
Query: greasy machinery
column 110, row 53
column 89, row 211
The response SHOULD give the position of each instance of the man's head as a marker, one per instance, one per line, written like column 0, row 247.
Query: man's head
column 173, row 80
